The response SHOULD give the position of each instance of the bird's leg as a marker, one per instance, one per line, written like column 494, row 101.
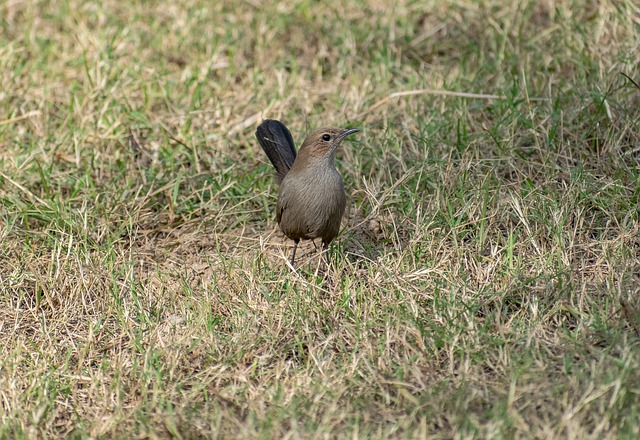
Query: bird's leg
column 325, row 251
column 295, row 246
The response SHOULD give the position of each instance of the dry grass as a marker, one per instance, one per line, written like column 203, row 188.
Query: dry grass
column 485, row 284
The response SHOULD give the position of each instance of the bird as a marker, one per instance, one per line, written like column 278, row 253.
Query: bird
column 311, row 200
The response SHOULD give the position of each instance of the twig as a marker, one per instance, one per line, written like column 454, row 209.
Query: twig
column 436, row 92
column 28, row 193
column 630, row 79
column 21, row 117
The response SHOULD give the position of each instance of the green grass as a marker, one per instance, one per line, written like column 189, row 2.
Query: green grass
column 485, row 282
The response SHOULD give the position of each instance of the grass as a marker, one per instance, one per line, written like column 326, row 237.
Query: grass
column 484, row 285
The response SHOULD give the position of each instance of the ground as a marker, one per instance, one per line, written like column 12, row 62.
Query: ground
column 485, row 283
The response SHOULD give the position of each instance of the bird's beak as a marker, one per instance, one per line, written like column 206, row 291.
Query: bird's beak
column 346, row 133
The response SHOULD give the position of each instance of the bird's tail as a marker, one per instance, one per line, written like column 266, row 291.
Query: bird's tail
column 276, row 141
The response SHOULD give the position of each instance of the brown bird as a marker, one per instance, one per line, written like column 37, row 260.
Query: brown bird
column 312, row 199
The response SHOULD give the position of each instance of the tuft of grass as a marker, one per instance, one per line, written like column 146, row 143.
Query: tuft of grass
column 485, row 281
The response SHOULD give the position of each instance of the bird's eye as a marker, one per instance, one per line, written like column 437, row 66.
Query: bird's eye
column 326, row 137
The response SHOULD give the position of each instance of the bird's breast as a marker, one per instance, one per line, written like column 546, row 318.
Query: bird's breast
column 311, row 203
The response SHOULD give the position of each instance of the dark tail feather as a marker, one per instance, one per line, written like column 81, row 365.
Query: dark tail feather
column 276, row 141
